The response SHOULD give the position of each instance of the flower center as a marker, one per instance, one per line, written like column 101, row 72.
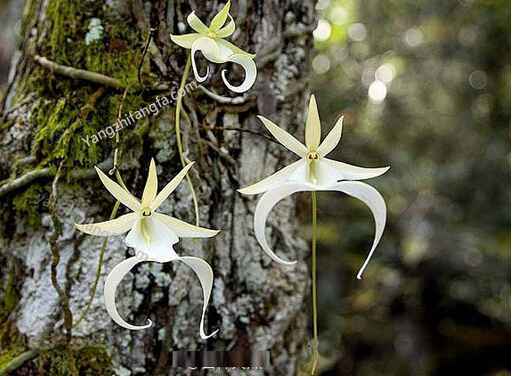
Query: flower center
column 312, row 156
column 211, row 34
column 146, row 212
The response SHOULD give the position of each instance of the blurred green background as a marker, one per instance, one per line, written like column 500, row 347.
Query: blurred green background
column 425, row 88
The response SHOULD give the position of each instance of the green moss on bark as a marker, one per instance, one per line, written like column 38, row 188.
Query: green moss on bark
column 59, row 119
column 88, row 360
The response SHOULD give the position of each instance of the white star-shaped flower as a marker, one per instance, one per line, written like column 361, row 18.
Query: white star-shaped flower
column 314, row 172
column 152, row 234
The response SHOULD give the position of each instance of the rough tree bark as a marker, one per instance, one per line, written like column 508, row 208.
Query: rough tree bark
column 255, row 303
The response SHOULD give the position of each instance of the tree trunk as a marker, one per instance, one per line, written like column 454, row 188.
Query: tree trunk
column 256, row 303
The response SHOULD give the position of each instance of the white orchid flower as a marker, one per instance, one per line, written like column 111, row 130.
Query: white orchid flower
column 153, row 235
column 315, row 172
column 210, row 41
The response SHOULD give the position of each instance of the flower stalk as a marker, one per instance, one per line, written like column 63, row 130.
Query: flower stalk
column 315, row 343
column 184, row 162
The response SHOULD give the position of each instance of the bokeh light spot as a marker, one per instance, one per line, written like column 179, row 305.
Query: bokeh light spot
column 321, row 64
column 338, row 15
column 385, row 73
column 478, row 79
column 413, row 37
column 377, row 91
column 357, row 32
column 323, row 31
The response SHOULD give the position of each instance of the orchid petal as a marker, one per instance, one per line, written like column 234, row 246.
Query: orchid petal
column 111, row 284
column 197, row 25
column 250, row 71
column 150, row 189
column 220, row 18
column 186, row 40
column 332, row 139
column 210, row 50
column 231, row 49
column 113, row 227
column 313, row 126
column 274, row 180
column 183, row 229
column 373, row 199
column 345, row 171
column 154, row 238
column 123, row 196
column 206, row 276
column 170, row 187
column 285, row 138
column 227, row 30
column 264, row 207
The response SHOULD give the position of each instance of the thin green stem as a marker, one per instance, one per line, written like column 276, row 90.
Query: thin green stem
column 314, row 284
column 179, row 99
column 92, row 293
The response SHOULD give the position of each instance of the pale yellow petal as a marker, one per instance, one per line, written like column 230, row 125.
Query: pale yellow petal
column 285, row 138
column 220, row 18
column 150, row 189
column 113, row 227
column 332, row 139
column 185, row 230
column 185, row 40
column 123, row 196
column 196, row 24
column 313, row 126
column 170, row 187
column 273, row 181
column 227, row 30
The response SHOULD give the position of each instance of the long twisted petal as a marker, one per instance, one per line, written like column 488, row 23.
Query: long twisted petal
column 250, row 71
column 264, row 207
column 373, row 199
column 206, row 277
column 111, row 284
column 210, row 50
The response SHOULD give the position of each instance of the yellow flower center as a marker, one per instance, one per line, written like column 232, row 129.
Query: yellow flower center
column 212, row 34
column 146, row 212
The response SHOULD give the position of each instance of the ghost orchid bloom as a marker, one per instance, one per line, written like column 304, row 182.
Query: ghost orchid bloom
column 315, row 172
column 153, row 235
column 209, row 40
